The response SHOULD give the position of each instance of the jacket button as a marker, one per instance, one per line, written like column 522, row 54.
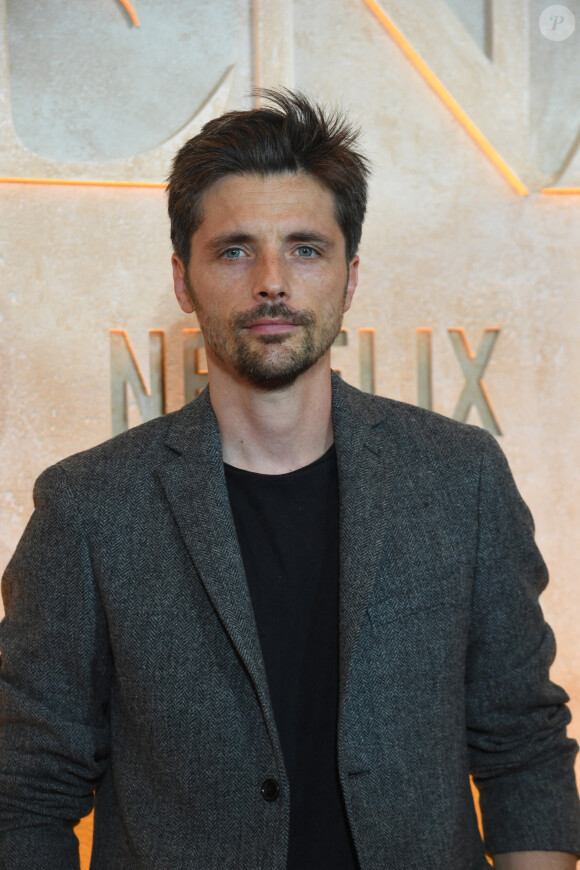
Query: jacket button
column 270, row 789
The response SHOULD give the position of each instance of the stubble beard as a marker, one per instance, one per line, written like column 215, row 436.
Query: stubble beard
column 269, row 361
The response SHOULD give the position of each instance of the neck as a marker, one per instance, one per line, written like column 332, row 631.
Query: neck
column 273, row 431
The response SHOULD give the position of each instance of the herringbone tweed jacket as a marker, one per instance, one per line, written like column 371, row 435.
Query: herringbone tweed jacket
column 131, row 662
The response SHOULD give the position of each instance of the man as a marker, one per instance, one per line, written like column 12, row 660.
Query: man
column 280, row 627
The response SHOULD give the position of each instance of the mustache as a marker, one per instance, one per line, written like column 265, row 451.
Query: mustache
column 278, row 310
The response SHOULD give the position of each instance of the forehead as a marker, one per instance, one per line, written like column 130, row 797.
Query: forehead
column 264, row 200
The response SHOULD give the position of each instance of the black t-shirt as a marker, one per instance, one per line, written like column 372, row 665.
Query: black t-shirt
column 287, row 527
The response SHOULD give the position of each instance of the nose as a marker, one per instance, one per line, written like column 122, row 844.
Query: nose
column 271, row 278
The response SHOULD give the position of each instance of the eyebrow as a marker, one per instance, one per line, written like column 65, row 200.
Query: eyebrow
column 307, row 236
column 228, row 240
column 304, row 236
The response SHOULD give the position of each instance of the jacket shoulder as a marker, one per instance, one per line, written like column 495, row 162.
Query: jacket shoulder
column 415, row 428
column 127, row 456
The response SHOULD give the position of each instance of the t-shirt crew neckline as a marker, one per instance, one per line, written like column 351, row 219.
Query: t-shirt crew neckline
column 328, row 456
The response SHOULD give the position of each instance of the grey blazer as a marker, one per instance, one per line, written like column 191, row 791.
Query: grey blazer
column 132, row 667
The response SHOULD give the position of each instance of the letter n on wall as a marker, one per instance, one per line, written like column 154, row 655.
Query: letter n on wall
column 126, row 373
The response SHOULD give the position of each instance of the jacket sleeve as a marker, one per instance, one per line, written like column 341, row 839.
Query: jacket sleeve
column 54, row 686
column 521, row 759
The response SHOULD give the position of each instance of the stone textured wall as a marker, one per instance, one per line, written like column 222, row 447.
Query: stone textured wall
column 448, row 242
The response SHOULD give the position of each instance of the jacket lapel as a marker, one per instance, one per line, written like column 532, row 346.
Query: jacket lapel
column 366, row 469
column 195, row 487
column 194, row 483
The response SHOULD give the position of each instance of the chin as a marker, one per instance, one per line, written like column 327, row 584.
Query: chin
column 272, row 378
column 275, row 374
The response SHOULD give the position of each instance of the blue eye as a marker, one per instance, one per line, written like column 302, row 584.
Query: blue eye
column 306, row 251
column 233, row 253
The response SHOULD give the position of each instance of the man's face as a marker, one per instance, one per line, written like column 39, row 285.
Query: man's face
column 267, row 277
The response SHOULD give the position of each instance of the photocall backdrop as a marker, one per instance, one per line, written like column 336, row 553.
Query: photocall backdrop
column 469, row 294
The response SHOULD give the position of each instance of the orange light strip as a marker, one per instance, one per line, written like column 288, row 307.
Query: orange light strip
column 83, row 182
column 446, row 98
column 569, row 191
column 130, row 12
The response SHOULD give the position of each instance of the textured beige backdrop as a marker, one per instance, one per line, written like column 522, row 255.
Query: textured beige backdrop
column 448, row 243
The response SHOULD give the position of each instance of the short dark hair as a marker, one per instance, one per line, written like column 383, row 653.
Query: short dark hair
column 290, row 135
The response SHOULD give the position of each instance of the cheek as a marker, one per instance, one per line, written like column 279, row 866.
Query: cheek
column 225, row 287
column 321, row 282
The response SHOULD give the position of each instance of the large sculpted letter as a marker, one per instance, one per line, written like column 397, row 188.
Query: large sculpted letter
column 125, row 371
column 474, row 392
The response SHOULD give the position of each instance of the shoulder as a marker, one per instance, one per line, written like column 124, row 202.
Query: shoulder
column 115, row 456
column 123, row 462
column 414, row 431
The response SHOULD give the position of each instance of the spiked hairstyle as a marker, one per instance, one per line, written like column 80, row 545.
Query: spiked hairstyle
column 291, row 134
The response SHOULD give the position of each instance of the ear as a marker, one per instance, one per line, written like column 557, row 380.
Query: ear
column 180, row 285
column 352, row 282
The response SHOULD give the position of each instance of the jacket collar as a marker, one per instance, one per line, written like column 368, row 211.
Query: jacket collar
column 366, row 468
column 194, row 483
